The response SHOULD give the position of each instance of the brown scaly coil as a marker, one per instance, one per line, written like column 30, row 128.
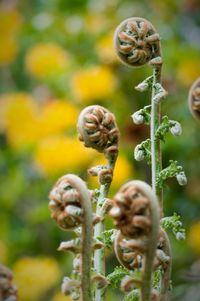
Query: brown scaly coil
column 135, row 212
column 97, row 129
column 131, row 211
column 194, row 99
column 8, row 291
column 65, row 205
column 136, row 42
column 70, row 205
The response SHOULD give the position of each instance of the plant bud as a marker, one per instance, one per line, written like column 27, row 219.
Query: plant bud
column 136, row 41
column 97, row 128
column 161, row 93
column 68, row 285
column 158, row 97
column 143, row 86
column 138, row 118
column 101, row 281
column 181, row 178
column 180, row 236
column 71, row 245
column 138, row 153
column 176, row 129
column 105, row 176
column 65, row 204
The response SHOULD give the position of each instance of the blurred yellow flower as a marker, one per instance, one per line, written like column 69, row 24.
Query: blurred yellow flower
column 8, row 50
column 105, row 49
column 188, row 70
column 56, row 116
column 61, row 297
column 19, row 118
column 10, row 21
column 35, row 276
column 122, row 173
column 194, row 237
column 46, row 60
column 25, row 123
column 93, row 83
column 9, row 28
column 58, row 154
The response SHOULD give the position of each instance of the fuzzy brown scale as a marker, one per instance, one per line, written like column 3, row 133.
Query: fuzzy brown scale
column 136, row 214
column 97, row 129
column 8, row 291
column 129, row 252
column 136, row 41
column 131, row 212
column 65, row 205
column 194, row 99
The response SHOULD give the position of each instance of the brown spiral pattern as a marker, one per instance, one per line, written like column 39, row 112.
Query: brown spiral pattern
column 136, row 42
column 194, row 99
column 65, row 204
column 129, row 251
column 97, row 129
column 8, row 291
column 131, row 211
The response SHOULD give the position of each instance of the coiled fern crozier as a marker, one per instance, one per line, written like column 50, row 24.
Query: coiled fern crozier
column 140, row 241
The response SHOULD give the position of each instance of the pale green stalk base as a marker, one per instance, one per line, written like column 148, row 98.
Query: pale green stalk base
column 165, row 282
column 156, row 155
column 152, row 134
column 99, row 255
column 152, row 245
column 86, row 252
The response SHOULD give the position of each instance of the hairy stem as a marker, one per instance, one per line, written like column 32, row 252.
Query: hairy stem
column 87, row 230
column 153, row 240
column 99, row 255
column 156, row 155
column 165, row 281
column 152, row 134
column 160, row 192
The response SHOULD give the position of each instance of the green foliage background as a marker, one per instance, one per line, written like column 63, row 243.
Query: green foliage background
column 78, row 26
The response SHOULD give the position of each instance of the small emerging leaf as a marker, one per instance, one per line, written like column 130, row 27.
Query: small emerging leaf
column 145, row 85
column 173, row 222
column 116, row 276
column 132, row 296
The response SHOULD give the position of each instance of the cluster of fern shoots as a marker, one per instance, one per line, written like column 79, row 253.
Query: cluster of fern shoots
column 140, row 241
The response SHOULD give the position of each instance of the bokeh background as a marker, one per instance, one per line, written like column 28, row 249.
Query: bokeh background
column 56, row 57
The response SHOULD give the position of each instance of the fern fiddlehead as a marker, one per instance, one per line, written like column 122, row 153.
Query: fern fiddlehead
column 70, row 205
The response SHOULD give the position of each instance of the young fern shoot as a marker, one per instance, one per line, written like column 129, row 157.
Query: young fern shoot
column 141, row 244
column 70, row 204
column 136, row 213
column 137, row 43
column 97, row 129
column 71, row 207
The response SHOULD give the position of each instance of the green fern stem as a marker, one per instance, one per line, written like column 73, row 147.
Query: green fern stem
column 99, row 255
column 156, row 154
